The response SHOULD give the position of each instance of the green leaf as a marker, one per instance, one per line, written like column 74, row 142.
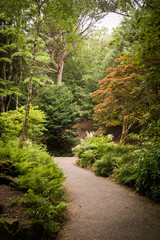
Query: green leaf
column 2, row 50
column 5, row 60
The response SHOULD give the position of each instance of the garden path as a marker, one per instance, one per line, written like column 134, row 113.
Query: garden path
column 101, row 209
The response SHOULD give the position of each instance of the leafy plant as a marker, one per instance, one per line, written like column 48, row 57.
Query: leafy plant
column 125, row 172
column 100, row 153
column 91, row 150
column 13, row 123
column 41, row 181
column 104, row 166
column 148, row 169
column 88, row 157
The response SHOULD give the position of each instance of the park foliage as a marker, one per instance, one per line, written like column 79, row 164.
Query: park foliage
column 53, row 64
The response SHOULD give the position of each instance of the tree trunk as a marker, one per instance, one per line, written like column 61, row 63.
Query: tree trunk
column 126, row 127
column 17, row 101
column 3, row 98
column 9, row 79
column 60, row 72
column 8, row 104
column 2, row 103
column 20, row 81
column 62, row 56
column 124, row 133
column 25, row 124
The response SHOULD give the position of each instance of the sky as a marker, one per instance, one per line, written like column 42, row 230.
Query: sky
column 112, row 20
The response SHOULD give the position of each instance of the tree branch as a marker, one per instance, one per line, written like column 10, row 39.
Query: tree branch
column 53, row 61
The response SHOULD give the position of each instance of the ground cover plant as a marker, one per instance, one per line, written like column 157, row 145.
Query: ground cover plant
column 36, row 176
column 40, row 180
column 91, row 149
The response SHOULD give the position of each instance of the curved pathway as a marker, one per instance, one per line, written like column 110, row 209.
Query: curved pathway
column 101, row 209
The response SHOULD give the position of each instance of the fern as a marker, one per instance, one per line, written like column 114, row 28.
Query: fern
column 40, row 179
column 5, row 60
column 43, row 57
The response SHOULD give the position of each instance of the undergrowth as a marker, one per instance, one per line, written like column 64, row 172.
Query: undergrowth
column 41, row 181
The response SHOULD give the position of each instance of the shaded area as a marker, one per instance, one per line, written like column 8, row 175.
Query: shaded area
column 8, row 195
column 101, row 209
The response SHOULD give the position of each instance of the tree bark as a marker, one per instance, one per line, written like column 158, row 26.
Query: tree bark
column 3, row 98
column 2, row 103
column 8, row 103
column 25, row 124
column 20, row 81
column 126, row 128
column 61, row 58
column 124, row 132
column 9, row 79
column 60, row 72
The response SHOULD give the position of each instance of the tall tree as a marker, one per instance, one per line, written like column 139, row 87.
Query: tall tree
column 85, row 66
column 132, row 90
column 62, row 39
column 57, row 104
column 37, row 26
column 121, row 98
column 45, row 9
column 8, row 47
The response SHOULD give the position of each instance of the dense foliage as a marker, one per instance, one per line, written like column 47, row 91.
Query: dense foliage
column 84, row 68
column 130, row 93
column 12, row 122
column 56, row 103
column 136, row 105
column 39, row 178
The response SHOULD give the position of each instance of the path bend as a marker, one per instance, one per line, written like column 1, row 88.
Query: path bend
column 101, row 209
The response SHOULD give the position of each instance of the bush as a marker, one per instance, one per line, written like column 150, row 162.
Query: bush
column 41, row 181
column 13, row 123
column 96, row 148
column 125, row 172
column 148, row 169
column 104, row 167
column 87, row 158
column 147, row 166
column 91, row 150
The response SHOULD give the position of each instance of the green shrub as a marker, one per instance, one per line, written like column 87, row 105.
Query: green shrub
column 91, row 150
column 13, row 123
column 104, row 167
column 125, row 171
column 125, row 174
column 87, row 158
column 40, row 179
column 135, row 166
column 94, row 149
column 148, row 169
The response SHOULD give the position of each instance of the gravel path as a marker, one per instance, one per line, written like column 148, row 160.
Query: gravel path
column 101, row 209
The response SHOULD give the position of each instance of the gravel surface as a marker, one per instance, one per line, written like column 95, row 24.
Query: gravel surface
column 101, row 209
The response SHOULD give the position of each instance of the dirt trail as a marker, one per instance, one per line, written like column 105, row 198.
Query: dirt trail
column 103, row 210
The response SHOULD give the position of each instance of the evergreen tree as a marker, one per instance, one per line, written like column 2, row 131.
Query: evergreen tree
column 56, row 103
